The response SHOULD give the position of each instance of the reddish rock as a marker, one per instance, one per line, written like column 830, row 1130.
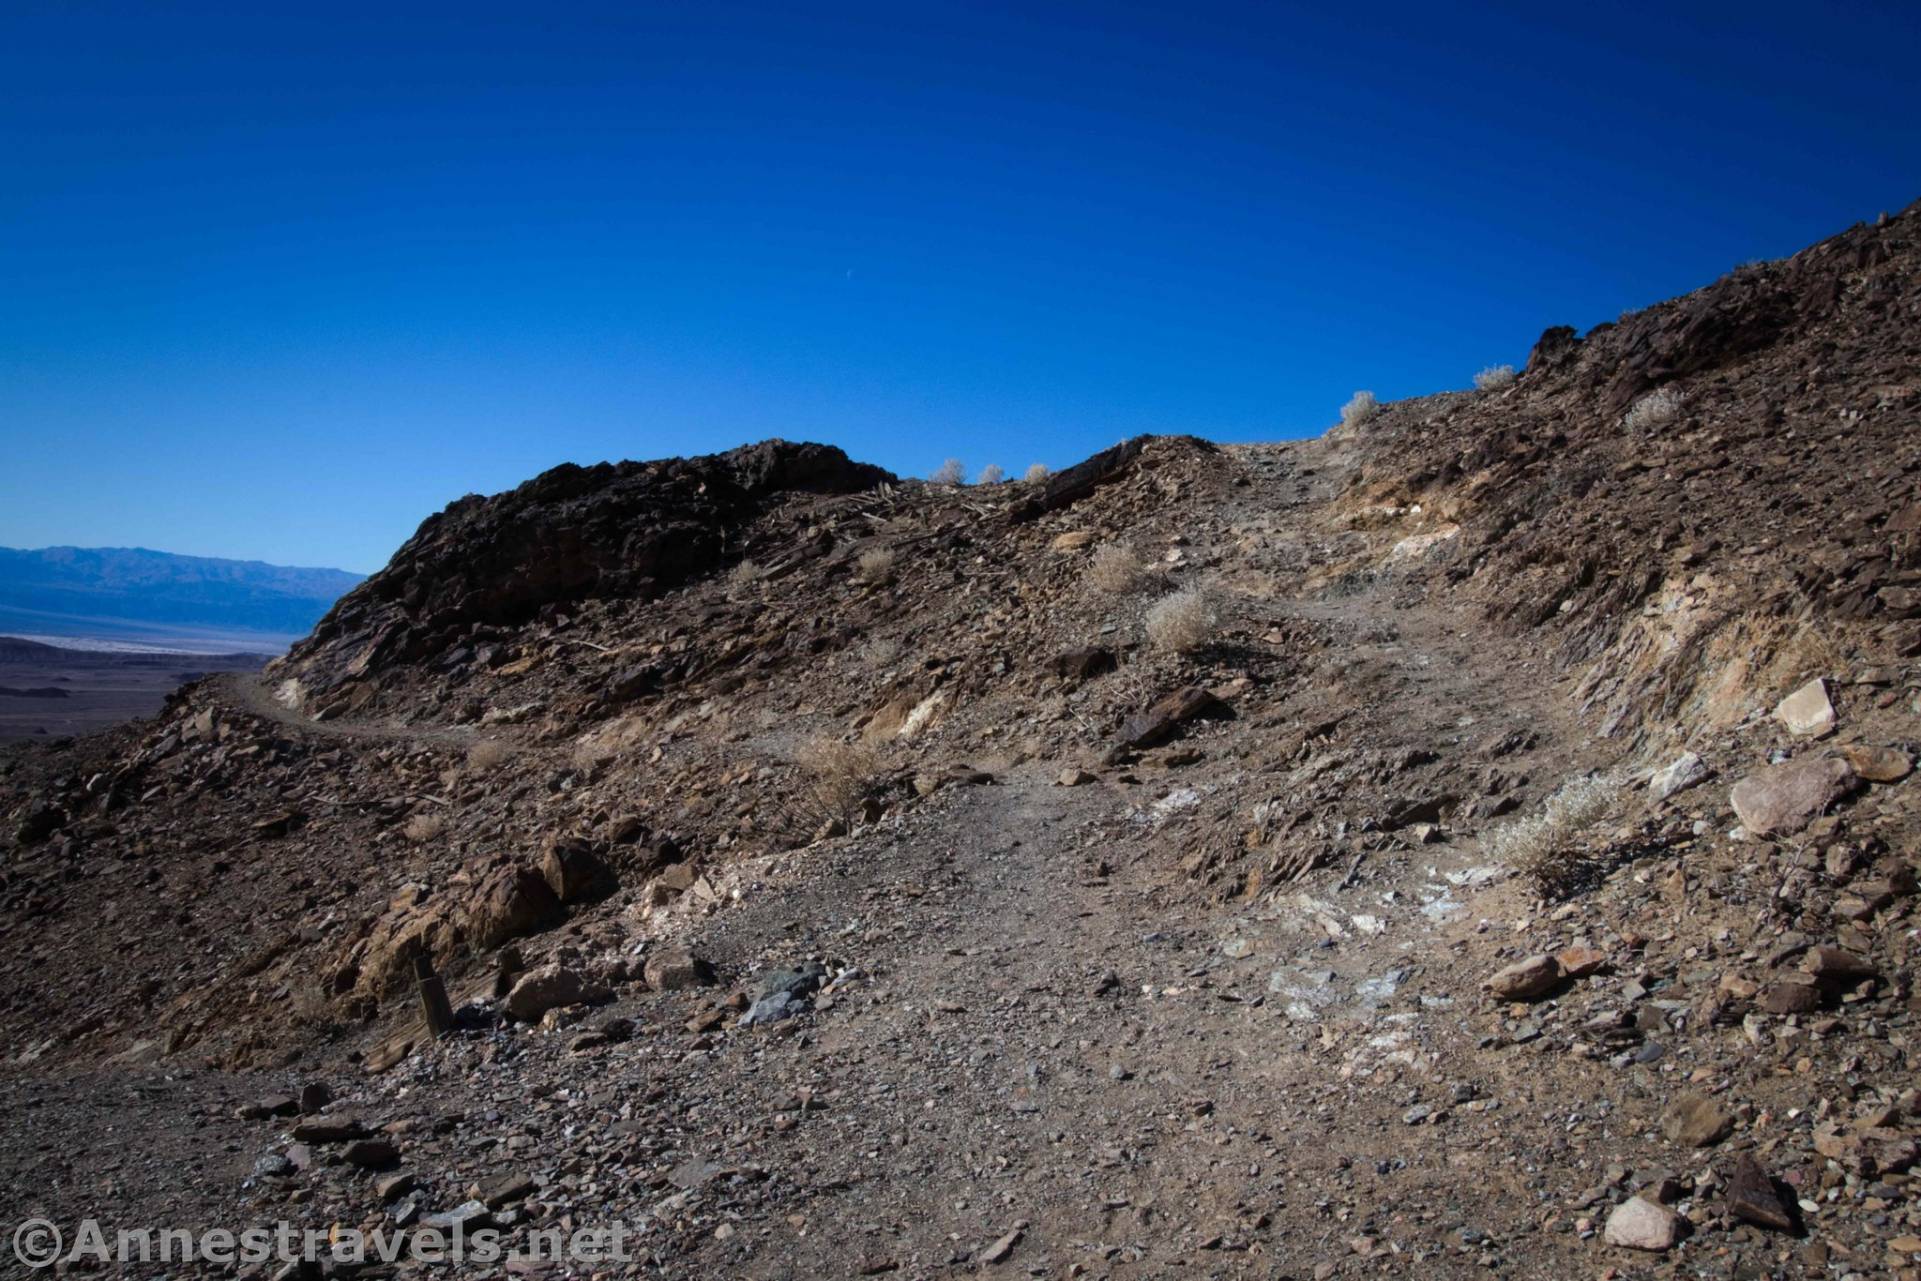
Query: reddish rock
column 1878, row 764
column 1525, row 980
column 1783, row 799
column 1579, row 962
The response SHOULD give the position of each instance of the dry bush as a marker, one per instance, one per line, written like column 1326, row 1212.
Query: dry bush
column 422, row 828
column 992, row 474
column 876, row 564
column 1359, row 408
column 1546, row 847
column 1183, row 622
column 487, row 755
column 313, row 1013
column 1656, row 409
column 835, row 776
column 1115, row 568
column 1036, row 472
column 746, row 574
column 949, row 473
column 1494, row 378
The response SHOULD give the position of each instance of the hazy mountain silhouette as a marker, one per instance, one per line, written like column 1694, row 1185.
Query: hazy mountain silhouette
column 108, row 591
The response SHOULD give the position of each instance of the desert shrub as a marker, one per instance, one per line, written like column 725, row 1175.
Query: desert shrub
column 422, row 828
column 1115, row 568
column 1183, row 622
column 1547, row 847
column 835, row 776
column 313, row 1012
column 949, row 473
column 746, row 574
column 876, row 564
column 1494, row 378
column 992, row 474
column 1036, row 472
column 1359, row 408
column 1656, row 409
column 487, row 755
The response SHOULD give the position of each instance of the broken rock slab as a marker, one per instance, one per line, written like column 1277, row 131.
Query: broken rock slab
column 675, row 969
column 1807, row 712
column 1752, row 1196
column 1782, row 799
column 1167, row 714
column 1684, row 773
column 576, row 872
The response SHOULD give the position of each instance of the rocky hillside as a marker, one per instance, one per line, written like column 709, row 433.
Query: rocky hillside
column 1479, row 839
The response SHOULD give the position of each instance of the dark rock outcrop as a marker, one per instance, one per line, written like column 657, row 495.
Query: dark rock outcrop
column 627, row 529
column 1064, row 488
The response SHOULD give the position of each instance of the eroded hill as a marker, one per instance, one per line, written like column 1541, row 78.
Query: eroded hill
column 1437, row 847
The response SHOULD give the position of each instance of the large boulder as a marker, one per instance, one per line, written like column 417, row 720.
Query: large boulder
column 575, row 870
column 550, row 987
column 509, row 903
column 1782, row 799
column 446, row 926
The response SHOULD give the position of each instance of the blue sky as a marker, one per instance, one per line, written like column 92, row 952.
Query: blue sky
column 276, row 285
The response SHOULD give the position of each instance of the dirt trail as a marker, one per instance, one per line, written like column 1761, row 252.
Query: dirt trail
column 1051, row 1052
column 254, row 695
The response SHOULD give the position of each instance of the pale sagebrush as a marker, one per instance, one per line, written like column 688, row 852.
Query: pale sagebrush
column 1036, row 472
column 1183, row 622
column 1656, row 409
column 1494, row 378
column 835, row 776
column 1546, row 847
column 1115, row 569
column 992, row 474
column 876, row 564
column 1359, row 408
column 950, row 472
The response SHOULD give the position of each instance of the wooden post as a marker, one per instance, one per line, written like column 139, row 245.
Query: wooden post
column 434, row 1006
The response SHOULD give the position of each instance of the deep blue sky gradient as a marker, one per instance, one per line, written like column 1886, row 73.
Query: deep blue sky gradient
column 278, row 284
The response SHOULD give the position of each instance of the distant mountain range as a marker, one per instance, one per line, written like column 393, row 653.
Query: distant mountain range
column 135, row 595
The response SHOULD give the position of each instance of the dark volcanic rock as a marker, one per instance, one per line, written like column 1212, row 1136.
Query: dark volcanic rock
column 1067, row 487
column 1167, row 714
column 611, row 530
